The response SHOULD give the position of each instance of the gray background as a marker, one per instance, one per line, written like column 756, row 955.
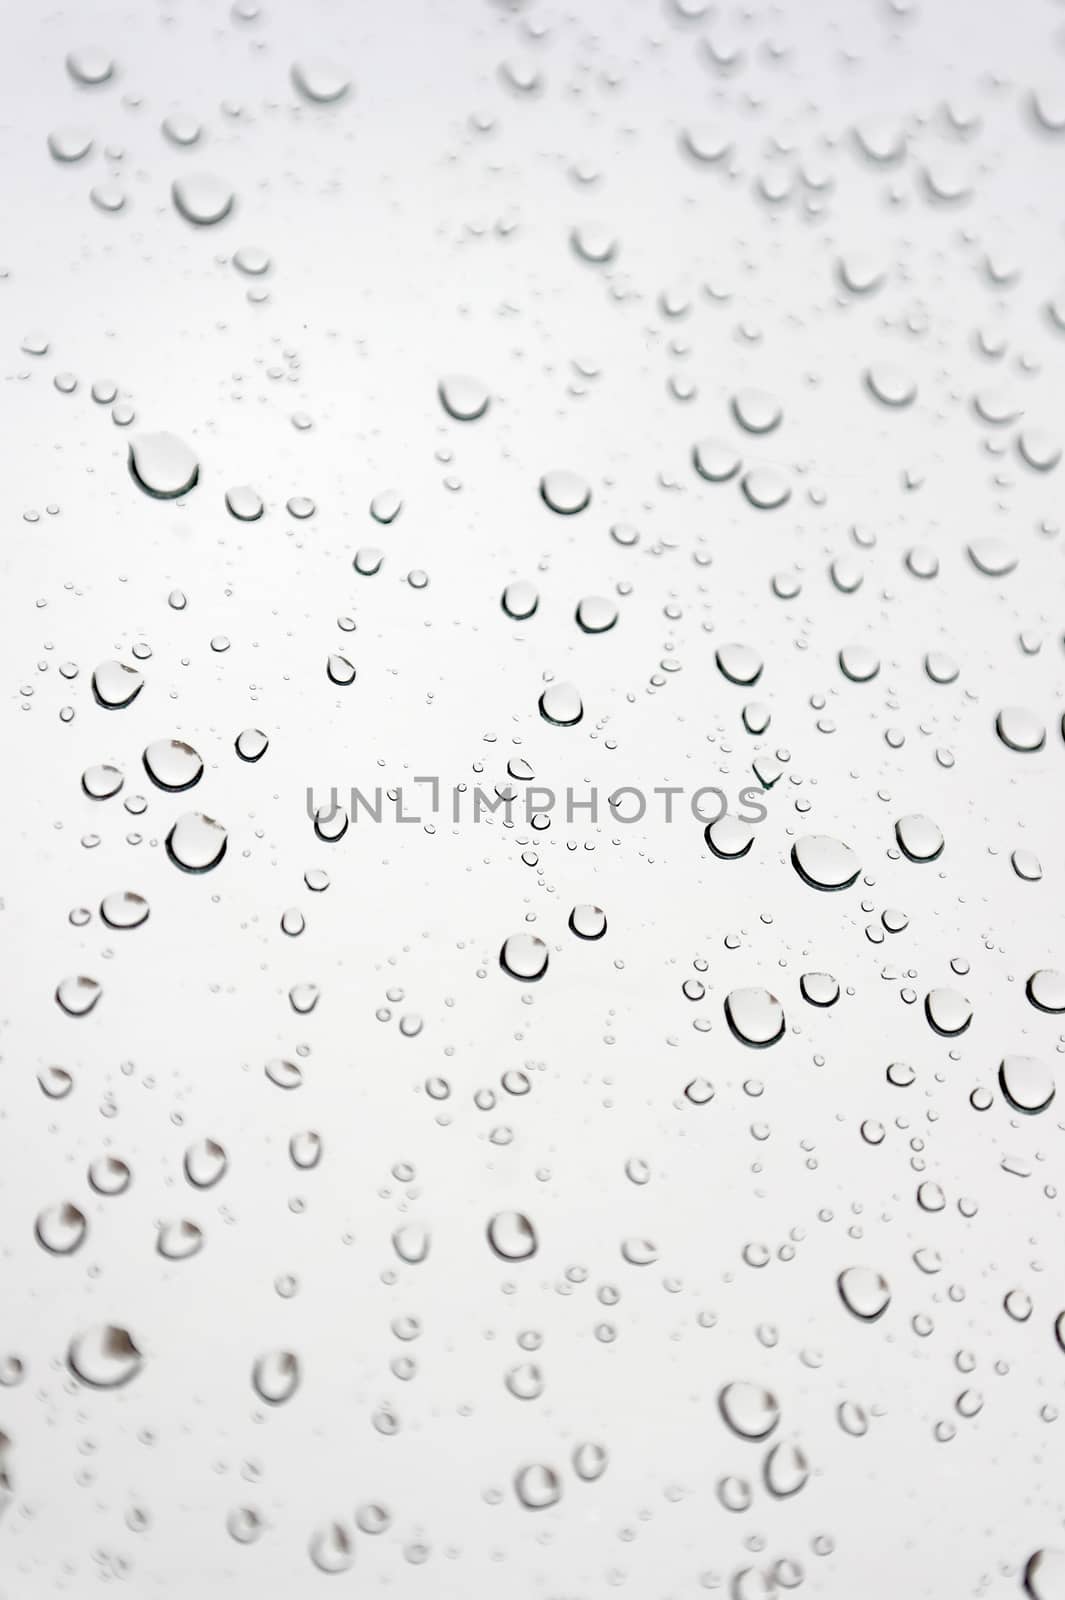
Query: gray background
column 407, row 243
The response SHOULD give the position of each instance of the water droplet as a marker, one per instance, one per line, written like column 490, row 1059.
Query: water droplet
column 858, row 663
column 819, row 988
column 919, row 838
column 755, row 1016
column 124, row 910
column 196, row 843
column 1039, row 449
column 275, row 1376
column 589, row 1462
column 890, row 385
column 756, row 411
column 588, row 922
column 1046, row 990
column 561, row 705
column 524, row 956
column 860, row 272
column 766, row 488
column 340, row 671
column 596, row 615
column 386, row 506
column 163, row 465
column 61, row 1229
column 564, row 492
column 177, row 1241
column 180, row 129
column 110, row 1176
column 538, row 1487
column 244, row 1525
column 251, row 744
column 520, row 600
column 322, row 82
column 332, row 1548
column 115, row 686
column 864, row 1292
column 526, row 1381
column 1027, row 1083
column 202, row 199
column 715, row 461
column 1020, row 730
column 104, row 1357
column 465, row 399
column 172, row 765
column 512, row 1236
column 786, row 1469
column 78, row 996
column 739, row 663
column 205, row 1163
column 948, row 1012
column 100, row 783
column 749, row 1410
column 69, row 144
column 90, row 67
column 1044, row 1575
column 244, row 503
column 824, row 862
column 728, row 837
column 992, row 556
column 593, row 243
column 707, row 143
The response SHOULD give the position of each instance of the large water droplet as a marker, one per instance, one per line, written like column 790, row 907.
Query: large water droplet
column 332, row 1548
column 864, row 1292
column 1019, row 729
column 596, row 615
column 715, row 461
column 124, row 909
column 196, row 843
column 786, row 1469
column 766, row 488
column 1046, row 990
column 61, row 1229
column 69, row 144
column 177, row 1241
column 163, row 465
column 172, row 765
column 948, row 1012
column 561, row 705
column 202, row 199
column 756, row 411
column 750, row 1411
column 512, row 1236
column 205, row 1163
column 1027, row 1083
column 465, row 399
column 104, row 1357
column 524, row 956
column 244, row 503
column 824, row 862
column 90, row 67
column 115, row 686
column 1044, row 1575
column 755, row 1016
column 890, row 385
column 322, row 82
column 919, row 838
column 538, row 1487
column 588, row 922
column 275, row 1376
column 77, row 996
column 565, row 492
